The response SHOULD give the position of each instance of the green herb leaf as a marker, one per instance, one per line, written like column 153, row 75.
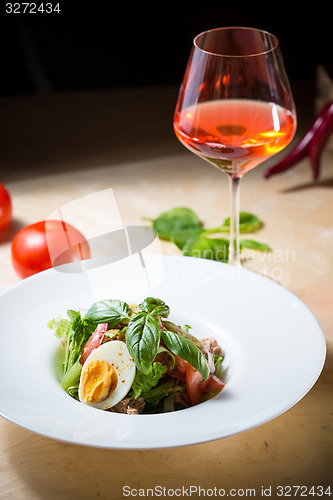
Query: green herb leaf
column 81, row 330
column 172, row 221
column 208, row 248
column 184, row 332
column 186, row 349
column 143, row 339
column 76, row 331
column 162, row 390
column 144, row 382
column 254, row 245
column 248, row 223
column 72, row 376
column 182, row 237
column 155, row 307
column 111, row 311
column 60, row 326
column 219, row 369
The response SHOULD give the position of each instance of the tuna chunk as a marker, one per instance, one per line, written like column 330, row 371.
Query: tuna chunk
column 130, row 406
column 210, row 344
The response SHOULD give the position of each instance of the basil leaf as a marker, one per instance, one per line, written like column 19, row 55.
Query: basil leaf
column 180, row 238
column 110, row 311
column 184, row 332
column 248, row 223
column 155, row 307
column 208, row 248
column 143, row 339
column 254, row 245
column 144, row 382
column 170, row 222
column 186, row 349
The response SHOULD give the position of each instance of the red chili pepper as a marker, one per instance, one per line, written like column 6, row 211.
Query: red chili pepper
column 311, row 144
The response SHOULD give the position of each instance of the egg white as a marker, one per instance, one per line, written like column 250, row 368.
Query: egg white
column 116, row 354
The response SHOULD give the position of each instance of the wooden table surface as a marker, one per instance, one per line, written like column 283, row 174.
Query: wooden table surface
column 56, row 149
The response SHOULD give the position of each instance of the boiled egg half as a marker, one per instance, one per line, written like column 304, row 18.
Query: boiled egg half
column 107, row 375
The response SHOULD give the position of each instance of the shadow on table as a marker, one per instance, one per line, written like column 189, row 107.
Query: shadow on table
column 325, row 183
column 14, row 227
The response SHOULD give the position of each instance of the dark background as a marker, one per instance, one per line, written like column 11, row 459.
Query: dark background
column 100, row 45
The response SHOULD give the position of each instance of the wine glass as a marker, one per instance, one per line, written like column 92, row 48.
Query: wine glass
column 235, row 108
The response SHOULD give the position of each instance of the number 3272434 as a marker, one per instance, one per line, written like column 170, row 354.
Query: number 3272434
column 32, row 8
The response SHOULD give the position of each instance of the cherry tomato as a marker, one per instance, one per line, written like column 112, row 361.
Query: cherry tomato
column 5, row 208
column 47, row 244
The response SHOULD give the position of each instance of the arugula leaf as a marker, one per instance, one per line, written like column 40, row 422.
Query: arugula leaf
column 172, row 221
column 143, row 339
column 186, row 349
column 110, row 311
column 155, row 307
column 144, row 382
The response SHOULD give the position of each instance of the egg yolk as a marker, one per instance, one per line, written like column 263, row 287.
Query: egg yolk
column 99, row 379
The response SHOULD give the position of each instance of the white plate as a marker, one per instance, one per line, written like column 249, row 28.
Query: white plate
column 275, row 349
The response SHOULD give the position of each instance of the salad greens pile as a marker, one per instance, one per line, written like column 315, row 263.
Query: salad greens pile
column 182, row 226
column 154, row 343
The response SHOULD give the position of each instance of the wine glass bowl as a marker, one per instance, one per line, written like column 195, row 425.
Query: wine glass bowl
column 235, row 108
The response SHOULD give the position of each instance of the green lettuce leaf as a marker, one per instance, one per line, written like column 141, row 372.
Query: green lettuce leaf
column 145, row 382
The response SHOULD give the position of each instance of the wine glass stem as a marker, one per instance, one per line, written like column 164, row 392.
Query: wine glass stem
column 234, row 248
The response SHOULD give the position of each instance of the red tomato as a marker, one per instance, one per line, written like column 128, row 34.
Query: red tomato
column 47, row 244
column 180, row 369
column 196, row 390
column 94, row 341
column 193, row 382
column 5, row 208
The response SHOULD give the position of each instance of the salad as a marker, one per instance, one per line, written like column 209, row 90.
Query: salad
column 133, row 359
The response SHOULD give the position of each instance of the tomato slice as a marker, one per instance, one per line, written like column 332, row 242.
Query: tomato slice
column 193, row 383
column 180, row 370
column 196, row 389
column 94, row 341
column 212, row 385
